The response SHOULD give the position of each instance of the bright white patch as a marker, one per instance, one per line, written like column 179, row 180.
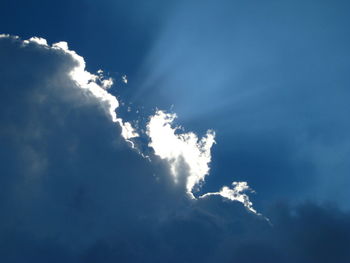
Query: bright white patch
column 61, row 45
column 236, row 194
column 178, row 148
column 38, row 40
column 7, row 36
column 124, row 79
column 107, row 83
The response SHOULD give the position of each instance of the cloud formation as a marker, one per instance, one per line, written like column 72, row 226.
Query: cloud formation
column 73, row 190
column 187, row 156
column 96, row 84
column 235, row 194
column 270, row 81
column 185, row 151
column 89, row 81
column 180, row 149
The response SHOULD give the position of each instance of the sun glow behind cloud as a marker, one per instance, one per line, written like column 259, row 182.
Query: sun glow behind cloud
column 176, row 147
column 188, row 156
column 89, row 81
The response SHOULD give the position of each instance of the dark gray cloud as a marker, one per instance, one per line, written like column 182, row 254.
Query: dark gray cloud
column 72, row 189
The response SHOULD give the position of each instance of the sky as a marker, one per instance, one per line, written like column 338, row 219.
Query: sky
column 174, row 131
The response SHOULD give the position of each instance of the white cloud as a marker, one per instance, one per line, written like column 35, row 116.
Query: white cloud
column 61, row 45
column 188, row 156
column 236, row 193
column 38, row 40
column 7, row 36
column 57, row 158
column 97, row 85
column 177, row 147
column 106, row 83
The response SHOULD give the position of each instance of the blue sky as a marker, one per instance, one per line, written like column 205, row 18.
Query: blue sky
column 93, row 172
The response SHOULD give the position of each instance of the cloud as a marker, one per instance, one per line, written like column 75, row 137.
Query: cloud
column 73, row 190
column 124, row 79
column 187, row 156
column 41, row 41
column 277, row 102
column 86, row 80
column 96, row 84
column 235, row 194
column 176, row 148
column 68, row 171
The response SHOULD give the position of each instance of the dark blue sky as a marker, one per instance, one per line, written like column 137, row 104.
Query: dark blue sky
column 269, row 77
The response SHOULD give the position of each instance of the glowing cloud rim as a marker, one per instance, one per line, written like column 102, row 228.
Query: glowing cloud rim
column 187, row 155
column 96, row 84
column 176, row 147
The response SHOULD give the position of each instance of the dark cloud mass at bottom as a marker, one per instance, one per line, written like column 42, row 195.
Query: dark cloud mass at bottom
column 72, row 190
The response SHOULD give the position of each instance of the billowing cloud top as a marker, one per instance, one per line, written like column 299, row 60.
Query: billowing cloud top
column 96, row 84
column 188, row 157
column 75, row 188
column 180, row 149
